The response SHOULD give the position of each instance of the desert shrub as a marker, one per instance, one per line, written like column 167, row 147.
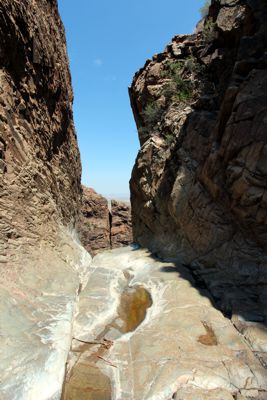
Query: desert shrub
column 196, row 69
column 144, row 130
column 169, row 138
column 172, row 67
column 208, row 31
column 178, row 87
column 152, row 113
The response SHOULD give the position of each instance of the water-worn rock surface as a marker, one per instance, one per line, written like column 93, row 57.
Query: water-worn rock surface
column 182, row 347
column 138, row 328
column 42, row 265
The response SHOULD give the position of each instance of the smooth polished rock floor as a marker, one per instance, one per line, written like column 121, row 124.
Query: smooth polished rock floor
column 38, row 296
column 183, row 348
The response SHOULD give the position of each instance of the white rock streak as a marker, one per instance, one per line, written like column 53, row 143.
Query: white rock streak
column 171, row 350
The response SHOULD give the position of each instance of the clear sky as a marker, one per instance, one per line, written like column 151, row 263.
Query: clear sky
column 108, row 41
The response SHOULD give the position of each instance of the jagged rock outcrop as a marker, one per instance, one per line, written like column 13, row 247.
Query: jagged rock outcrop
column 198, row 187
column 43, row 266
column 199, row 182
column 101, row 226
column 94, row 226
column 121, row 224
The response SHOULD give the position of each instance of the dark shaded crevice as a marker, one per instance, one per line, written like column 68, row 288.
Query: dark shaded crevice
column 110, row 228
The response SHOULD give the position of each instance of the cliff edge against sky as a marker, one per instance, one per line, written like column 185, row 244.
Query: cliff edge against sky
column 198, row 193
column 199, row 183
column 198, row 187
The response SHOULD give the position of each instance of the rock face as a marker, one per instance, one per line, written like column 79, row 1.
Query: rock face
column 94, row 226
column 42, row 264
column 102, row 228
column 121, row 224
column 198, row 188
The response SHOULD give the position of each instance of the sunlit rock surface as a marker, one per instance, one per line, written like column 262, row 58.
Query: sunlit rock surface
column 103, row 226
column 183, row 346
column 94, row 221
column 42, row 265
column 121, row 224
column 37, row 306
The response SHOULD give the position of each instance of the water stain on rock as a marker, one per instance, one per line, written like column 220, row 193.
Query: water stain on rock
column 87, row 382
column 133, row 306
column 210, row 338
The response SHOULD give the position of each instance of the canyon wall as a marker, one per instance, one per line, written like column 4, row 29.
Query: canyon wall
column 198, row 187
column 103, row 226
column 43, row 266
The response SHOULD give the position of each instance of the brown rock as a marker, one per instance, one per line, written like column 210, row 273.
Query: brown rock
column 198, row 187
column 100, row 228
column 94, row 223
column 121, row 228
column 42, row 266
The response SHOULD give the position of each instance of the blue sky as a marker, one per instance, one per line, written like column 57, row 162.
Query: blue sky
column 108, row 41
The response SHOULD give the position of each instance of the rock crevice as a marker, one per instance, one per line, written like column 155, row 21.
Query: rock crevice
column 104, row 224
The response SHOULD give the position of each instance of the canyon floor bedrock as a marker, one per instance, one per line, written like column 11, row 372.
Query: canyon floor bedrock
column 184, row 345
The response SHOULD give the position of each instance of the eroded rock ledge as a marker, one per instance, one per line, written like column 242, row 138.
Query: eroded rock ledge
column 41, row 262
column 102, row 225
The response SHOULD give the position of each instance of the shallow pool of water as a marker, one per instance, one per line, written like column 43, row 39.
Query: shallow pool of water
column 86, row 381
column 132, row 310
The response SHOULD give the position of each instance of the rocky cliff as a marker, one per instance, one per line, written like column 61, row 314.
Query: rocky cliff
column 103, row 227
column 121, row 224
column 198, row 187
column 94, row 226
column 42, row 265
column 199, row 182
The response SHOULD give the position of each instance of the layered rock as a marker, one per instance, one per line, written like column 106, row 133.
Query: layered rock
column 43, row 267
column 103, row 226
column 121, row 224
column 94, row 226
column 198, row 187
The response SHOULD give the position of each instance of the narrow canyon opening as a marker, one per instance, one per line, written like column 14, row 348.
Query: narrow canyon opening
column 164, row 297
